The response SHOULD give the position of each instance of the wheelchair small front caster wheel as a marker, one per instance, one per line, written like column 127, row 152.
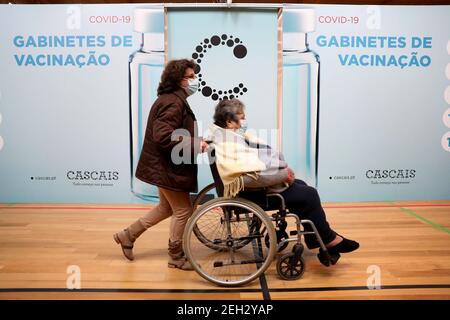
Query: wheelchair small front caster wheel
column 281, row 235
column 290, row 267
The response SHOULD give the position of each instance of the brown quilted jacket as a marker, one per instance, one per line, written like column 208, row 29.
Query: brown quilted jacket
column 156, row 164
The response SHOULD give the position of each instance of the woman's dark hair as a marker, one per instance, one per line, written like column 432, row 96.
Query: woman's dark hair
column 227, row 110
column 173, row 74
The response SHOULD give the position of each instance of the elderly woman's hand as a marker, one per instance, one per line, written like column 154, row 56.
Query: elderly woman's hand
column 291, row 176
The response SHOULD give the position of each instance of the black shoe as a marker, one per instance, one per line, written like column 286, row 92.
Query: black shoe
column 345, row 246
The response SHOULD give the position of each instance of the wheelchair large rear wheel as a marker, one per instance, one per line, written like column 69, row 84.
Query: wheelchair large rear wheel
column 198, row 201
column 236, row 227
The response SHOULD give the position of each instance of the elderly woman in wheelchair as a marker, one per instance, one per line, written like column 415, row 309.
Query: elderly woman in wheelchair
column 231, row 240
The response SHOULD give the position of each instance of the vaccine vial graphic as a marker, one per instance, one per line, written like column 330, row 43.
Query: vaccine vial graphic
column 300, row 95
column 145, row 69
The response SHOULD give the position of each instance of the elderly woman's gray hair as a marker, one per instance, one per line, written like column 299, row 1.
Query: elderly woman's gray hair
column 228, row 110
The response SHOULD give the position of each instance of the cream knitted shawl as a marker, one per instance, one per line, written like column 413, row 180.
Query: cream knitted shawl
column 234, row 158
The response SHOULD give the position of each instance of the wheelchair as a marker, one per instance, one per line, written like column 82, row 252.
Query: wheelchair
column 232, row 241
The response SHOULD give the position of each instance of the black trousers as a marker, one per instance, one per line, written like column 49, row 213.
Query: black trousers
column 304, row 201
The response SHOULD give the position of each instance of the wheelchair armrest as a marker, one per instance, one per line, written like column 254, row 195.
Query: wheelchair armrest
column 277, row 195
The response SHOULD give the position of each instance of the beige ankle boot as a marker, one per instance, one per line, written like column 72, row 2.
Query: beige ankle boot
column 127, row 237
column 176, row 256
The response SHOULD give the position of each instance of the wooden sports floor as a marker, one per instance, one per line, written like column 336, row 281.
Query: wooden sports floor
column 407, row 242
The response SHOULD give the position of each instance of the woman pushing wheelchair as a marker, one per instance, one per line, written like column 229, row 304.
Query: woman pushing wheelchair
column 245, row 162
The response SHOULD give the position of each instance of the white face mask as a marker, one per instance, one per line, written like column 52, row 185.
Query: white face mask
column 192, row 86
column 244, row 126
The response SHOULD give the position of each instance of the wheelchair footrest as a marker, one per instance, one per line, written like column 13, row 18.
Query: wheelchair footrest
column 328, row 259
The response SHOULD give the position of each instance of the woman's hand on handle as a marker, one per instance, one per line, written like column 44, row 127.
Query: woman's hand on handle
column 203, row 145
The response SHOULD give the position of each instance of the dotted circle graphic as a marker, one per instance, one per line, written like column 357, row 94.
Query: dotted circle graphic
column 445, row 141
column 447, row 95
column 446, row 118
column 239, row 51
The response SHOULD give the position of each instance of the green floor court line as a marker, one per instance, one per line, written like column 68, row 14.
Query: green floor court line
column 422, row 218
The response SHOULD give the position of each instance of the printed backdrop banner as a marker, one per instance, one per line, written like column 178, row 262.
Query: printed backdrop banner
column 236, row 52
column 66, row 118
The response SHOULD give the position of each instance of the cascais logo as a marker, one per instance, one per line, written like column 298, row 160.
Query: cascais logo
column 391, row 174
column 93, row 175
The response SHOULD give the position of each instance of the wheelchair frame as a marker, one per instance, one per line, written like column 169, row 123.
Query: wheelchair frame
column 290, row 266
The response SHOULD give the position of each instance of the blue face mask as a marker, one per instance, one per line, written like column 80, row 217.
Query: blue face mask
column 192, row 86
column 244, row 126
